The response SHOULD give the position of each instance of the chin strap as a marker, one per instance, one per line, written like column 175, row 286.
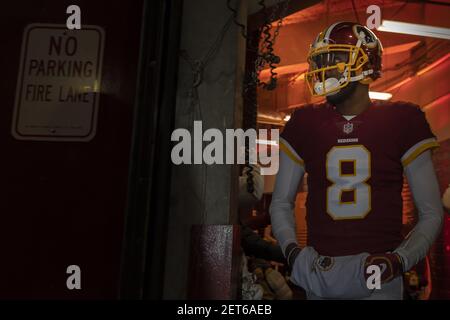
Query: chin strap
column 361, row 76
column 355, row 78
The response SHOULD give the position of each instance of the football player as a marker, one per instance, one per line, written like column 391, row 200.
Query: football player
column 355, row 152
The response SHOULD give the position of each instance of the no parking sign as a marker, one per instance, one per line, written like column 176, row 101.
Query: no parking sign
column 58, row 86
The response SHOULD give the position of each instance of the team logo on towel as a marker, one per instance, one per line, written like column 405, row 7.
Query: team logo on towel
column 324, row 263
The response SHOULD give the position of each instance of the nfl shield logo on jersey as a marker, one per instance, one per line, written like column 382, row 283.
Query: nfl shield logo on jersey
column 348, row 127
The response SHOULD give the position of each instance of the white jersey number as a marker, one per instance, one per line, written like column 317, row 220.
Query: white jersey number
column 356, row 160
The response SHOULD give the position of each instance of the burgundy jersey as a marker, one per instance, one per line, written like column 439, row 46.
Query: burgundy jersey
column 355, row 172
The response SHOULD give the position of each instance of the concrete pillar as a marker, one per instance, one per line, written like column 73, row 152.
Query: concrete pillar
column 204, row 194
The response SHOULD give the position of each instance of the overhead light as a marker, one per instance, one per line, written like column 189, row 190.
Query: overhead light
column 395, row 86
column 267, row 142
column 267, row 119
column 414, row 29
column 379, row 95
column 287, row 118
column 286, row 69
column 297, row 77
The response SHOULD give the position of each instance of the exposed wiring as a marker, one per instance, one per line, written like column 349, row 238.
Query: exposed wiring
column 265, row 55
column 243, row 28
column 198, row 67
column 408, row 72
column 417, row 60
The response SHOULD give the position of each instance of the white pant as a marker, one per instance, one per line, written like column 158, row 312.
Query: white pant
column 389, row 291
column 339, row 277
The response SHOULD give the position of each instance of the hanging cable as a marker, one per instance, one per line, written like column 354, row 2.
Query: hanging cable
column 198, row 67
column 264, row 55
column 235, row 13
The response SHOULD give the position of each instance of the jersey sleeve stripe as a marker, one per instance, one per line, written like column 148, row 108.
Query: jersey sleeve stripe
column 417, row 149
column 286, row 148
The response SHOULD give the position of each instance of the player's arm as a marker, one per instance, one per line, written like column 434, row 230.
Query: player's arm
column 425, row 189
column 289, row 175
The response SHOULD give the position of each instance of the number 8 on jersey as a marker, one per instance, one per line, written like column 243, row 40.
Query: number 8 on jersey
column 350, row 183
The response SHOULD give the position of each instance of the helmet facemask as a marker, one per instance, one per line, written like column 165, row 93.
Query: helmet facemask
column 332, row 67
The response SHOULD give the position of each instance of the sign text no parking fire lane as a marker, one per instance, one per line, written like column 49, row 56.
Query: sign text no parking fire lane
column 58, row 86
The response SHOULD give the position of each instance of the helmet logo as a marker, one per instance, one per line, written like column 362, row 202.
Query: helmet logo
column 367, row 37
